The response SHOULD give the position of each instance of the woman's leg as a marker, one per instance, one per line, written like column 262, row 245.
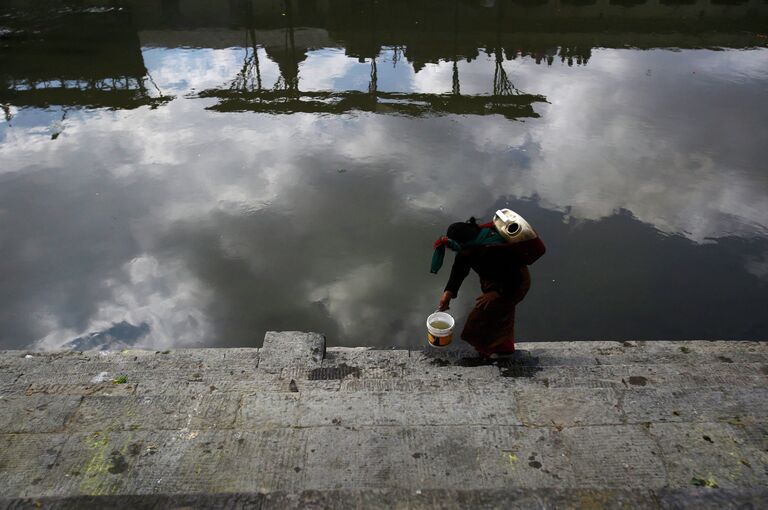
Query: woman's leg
column 492, row 328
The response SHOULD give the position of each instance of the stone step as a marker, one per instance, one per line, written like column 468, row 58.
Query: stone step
column 446, row 499
column 295, row 420
column 376, row 376
column 548, row 353
column 533, row 406
column 383, row 457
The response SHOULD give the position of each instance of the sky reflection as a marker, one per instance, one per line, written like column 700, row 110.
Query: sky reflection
column 644, row 175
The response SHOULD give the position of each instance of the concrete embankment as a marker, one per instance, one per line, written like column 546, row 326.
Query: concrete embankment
column 293, row 425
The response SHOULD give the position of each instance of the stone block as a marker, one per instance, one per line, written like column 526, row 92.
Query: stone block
column 373, row 499
column 717, row 451
column 412, row 409
column 239, row 461
column 291, row 349
column 105, row 389
column 566, row 407
column 167, row 412
column 699, row 404
column 406, row 385
column 367, row 363
column 27, row 461
column 615, row 457
column 419, row 458
column 167, row 462
column 384, row 499
column 449, row 366
column 269, row 411
column 711, row 499
column 36, row 414
column 640, row 375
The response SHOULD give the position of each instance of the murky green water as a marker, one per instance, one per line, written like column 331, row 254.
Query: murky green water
column 194, row 173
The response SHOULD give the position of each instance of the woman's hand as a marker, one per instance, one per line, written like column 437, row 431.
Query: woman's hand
column 486, row 299
column 445, row 301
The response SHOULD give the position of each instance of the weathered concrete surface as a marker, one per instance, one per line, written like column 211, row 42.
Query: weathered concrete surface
column 587, row 424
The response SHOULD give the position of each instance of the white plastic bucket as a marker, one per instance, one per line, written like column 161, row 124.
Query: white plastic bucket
column 440, row 337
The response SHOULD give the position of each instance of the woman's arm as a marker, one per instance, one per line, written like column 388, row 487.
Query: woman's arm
column 445, row 301
column 459, row 272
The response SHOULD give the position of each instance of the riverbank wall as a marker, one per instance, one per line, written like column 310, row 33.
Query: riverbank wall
column 295, row 424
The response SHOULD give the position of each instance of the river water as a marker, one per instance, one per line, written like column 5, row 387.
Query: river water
column 195, row 173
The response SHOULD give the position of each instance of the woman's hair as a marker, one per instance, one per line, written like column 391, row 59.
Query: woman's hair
column 463, row 232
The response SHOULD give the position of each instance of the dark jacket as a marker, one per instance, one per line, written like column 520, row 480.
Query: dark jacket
column 500, row 267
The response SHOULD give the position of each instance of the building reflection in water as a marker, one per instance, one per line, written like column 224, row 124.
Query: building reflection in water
column 247, row 92
column 92, row 55
column 74, row 58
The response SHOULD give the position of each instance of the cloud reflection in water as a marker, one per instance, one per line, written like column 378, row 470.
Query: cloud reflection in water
column 211, row 228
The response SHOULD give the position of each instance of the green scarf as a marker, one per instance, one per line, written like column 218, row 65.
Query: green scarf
column 486, row 237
